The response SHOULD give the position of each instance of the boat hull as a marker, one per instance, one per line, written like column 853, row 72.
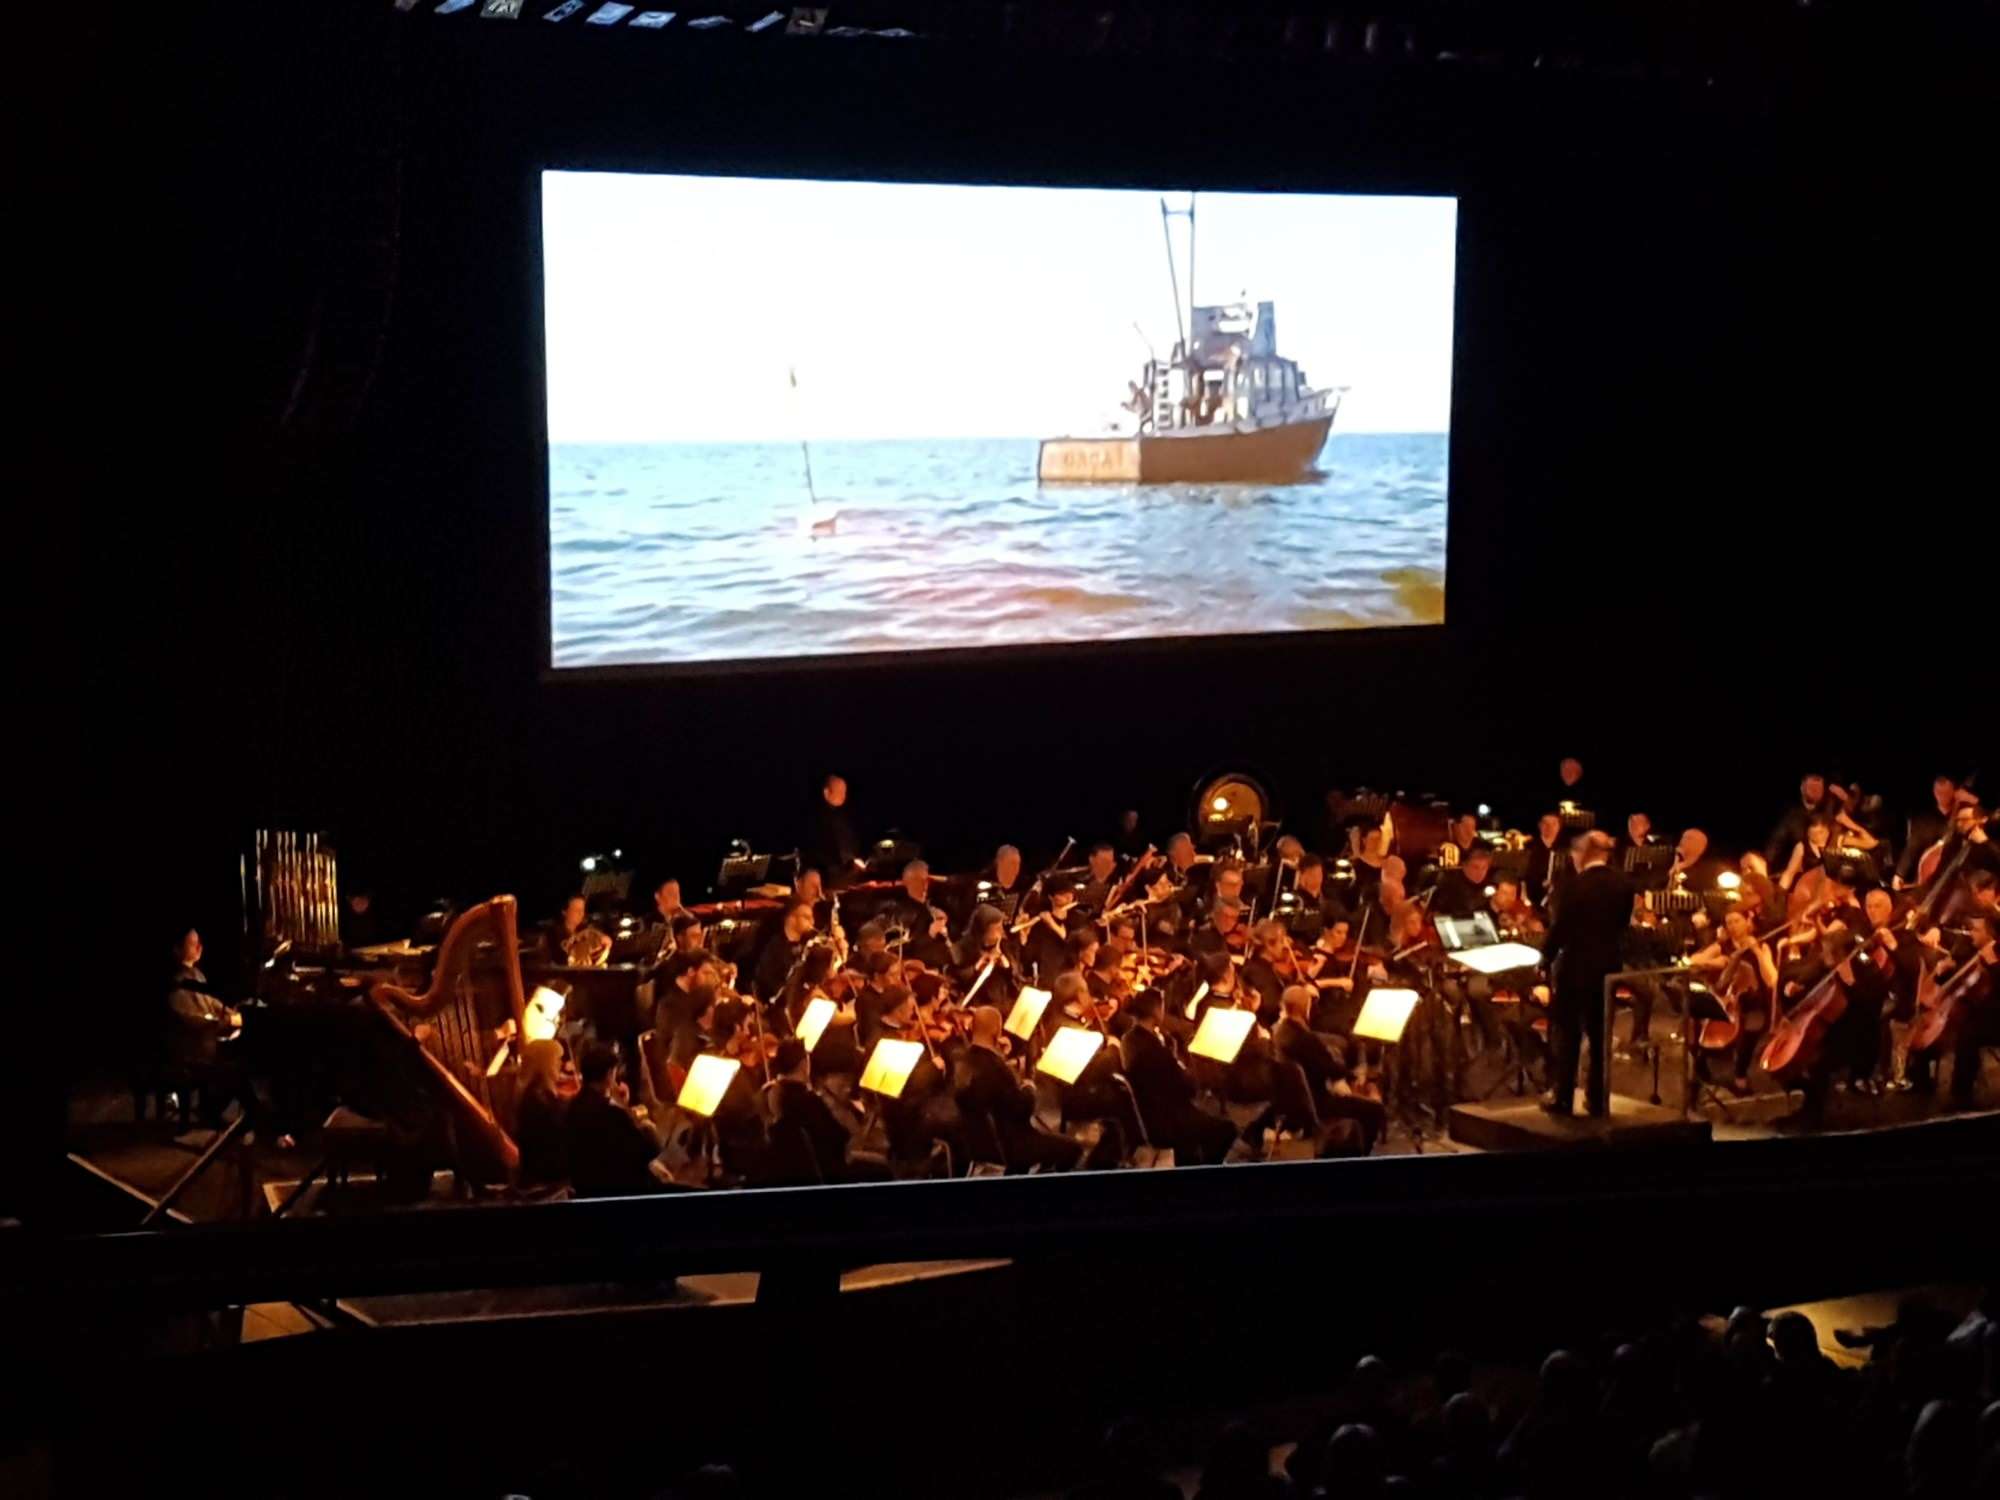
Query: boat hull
column 1281, row 454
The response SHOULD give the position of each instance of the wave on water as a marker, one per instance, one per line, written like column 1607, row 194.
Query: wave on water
column 669, row 553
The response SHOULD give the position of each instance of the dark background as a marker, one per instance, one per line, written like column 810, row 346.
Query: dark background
column 1720, row 506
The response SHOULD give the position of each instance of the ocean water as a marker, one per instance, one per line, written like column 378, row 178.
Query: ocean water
column 684, row 552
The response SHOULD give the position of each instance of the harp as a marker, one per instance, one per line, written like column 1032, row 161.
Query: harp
column 463, row 1050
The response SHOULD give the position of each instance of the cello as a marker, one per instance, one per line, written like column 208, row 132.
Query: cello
column 1940, row 1004
column 1793, row 1048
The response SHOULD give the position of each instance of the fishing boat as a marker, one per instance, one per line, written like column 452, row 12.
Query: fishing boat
column 1226, row 408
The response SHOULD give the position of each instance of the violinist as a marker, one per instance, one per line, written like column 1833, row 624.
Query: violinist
column 1462, row 892
column 1323, row 1060
column 993, row 1103
column 924, row 1113
column 738, row 1123
column 1743, row 969
column 870, row 939
column 1271, row 968
column 1121, row 938
column 1105, row 982
column 678, row 1002
column 1222, row 932
column 783, row 949
column 798, row 1112
column 1165, row 1093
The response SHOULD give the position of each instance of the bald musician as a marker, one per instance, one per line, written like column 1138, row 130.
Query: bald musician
column 1583, row 947
column 998, row 1110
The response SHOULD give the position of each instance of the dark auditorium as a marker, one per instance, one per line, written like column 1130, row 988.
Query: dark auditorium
column 1233, row 751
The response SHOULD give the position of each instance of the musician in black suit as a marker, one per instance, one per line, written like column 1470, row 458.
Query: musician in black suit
column 989, row 1094
column 610, row 1151
column 1583, row 947
column 1548, row 860
column 1326, row 1070
column 1461, row 892
column 1164, row 1091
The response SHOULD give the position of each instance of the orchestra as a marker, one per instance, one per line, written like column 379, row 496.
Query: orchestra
column 1857, row 966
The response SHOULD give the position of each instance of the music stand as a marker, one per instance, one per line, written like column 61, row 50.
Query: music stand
column 1027, row 1012
column 1497, row 958
column 1069, row 1052
column 1702, row 1005
column 890, row 1066
column 1385, row 1015
column 813, row 1021
column 1221, row 1033
column 708, row 1079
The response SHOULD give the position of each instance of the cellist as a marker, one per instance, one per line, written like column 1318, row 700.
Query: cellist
column 1747, row 973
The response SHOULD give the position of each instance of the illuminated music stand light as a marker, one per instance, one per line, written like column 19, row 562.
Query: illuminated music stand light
column 1221, row 1033
column 1027, row 1012
column 890, row 1066
column 1384, row 1014
column 1069, row 1052
column 819, row 1014
column 708, row 1079
column 1494, row 958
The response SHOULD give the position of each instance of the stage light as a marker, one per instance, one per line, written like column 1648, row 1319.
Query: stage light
column 1485, row 811
column 708, row 1079
column 1728, row 880
column 1220, row 804
column 589, row 863
column 617, row 853
column 543, row 1016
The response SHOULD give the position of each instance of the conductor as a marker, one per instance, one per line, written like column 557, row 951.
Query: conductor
column 1583, row 947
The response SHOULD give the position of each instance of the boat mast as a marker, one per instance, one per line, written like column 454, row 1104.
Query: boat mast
column 1173, row 278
